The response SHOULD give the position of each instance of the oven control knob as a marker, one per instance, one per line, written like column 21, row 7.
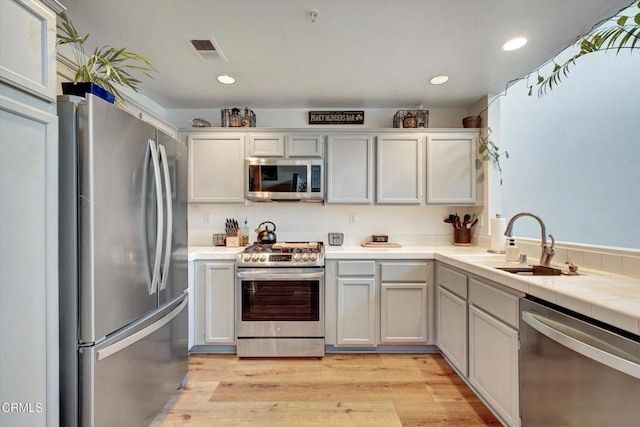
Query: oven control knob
column 254, row 257
column 263, row 258
column 296, row 257
column 305, row 257
column 247, row 257
column 313, row 257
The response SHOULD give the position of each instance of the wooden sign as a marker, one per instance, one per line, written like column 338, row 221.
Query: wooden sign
column 336, row 117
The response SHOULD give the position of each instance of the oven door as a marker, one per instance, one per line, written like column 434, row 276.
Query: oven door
column 280, row 302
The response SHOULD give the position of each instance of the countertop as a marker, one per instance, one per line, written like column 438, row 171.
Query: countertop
column 612, row 299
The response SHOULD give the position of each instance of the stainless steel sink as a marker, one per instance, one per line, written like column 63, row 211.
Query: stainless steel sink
column 534, row 270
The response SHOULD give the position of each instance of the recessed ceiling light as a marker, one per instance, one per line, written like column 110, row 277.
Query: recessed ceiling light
column 514, row 44
column 225, row 79
column 438, row 80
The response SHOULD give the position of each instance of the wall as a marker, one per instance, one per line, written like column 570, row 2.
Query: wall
column 312, row 221
column 574, row 161
column 574, row 153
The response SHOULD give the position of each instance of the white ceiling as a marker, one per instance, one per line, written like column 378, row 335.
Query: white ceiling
column 357, row 54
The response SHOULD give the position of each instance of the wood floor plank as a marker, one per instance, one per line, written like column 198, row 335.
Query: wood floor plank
column 337, row 390
column 445, row 414
column 353, row 391
column 290, row 414
column 359, row 373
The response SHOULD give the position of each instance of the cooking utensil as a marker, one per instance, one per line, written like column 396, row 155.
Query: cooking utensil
column 266, row 236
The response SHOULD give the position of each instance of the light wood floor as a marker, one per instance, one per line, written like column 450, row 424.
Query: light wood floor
column 338, row 390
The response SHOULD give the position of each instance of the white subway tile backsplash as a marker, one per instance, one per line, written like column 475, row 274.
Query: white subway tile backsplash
column 631, row 266
column 612, row 263
column 575, row 256
column 592, row 260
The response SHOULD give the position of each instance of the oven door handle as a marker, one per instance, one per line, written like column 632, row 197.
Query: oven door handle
column 583, row 343
column 291, row 277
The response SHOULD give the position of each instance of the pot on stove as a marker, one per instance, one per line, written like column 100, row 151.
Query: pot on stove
column 266, row 236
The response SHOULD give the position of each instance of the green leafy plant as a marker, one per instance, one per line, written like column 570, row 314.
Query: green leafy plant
column 623, row 35
column 490, row 151
column 106, row 66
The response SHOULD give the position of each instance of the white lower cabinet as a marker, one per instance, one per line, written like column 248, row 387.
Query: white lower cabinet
column 377, row 302
column 403, row 302
column 493, row 349
column 356, row 311
column 451, row 316
column 215, row 303
column 452, row 328
column 403, row 313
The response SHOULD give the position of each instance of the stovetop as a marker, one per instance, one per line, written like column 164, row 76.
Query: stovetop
column 282, row 254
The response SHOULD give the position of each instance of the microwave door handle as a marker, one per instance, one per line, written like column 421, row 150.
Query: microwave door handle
column 168, row 239
column 160, row 218
column 581, row 342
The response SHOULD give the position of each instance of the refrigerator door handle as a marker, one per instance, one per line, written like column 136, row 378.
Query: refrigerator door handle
column 133, row 338
column 160, row 218
column 581, row 342
column 168, row 239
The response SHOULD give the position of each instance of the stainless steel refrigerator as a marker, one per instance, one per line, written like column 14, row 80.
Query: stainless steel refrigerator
column 123, row 265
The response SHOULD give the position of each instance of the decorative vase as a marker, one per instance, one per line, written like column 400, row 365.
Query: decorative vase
column 82, row 88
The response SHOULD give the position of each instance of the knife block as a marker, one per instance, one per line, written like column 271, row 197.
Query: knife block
column 233, row 241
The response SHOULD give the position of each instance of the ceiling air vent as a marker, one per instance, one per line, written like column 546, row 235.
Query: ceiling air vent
column 206, row 48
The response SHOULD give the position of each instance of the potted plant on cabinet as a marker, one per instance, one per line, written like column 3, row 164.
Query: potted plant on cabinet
column 102, row 71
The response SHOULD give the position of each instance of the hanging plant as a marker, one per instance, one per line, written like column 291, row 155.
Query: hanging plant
column 623, row 35
column 490, row 151
column 106, row 66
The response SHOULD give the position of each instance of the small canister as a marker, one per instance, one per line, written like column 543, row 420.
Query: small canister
column 235, row 118
column 225, row 117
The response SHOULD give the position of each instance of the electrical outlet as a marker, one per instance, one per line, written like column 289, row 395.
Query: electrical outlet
column 352, row 218
column 206, row 218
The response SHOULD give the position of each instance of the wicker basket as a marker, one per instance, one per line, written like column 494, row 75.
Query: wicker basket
column 472, row 122
column 218, row 239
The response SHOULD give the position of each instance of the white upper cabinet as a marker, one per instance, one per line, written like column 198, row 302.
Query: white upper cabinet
column 451, row 170
column 28, row 54
column 266, row 145
column 29, row 201
column 278, row 144
column 350, row 169
column 305, row 145
column 216, row 167
column 399, row 169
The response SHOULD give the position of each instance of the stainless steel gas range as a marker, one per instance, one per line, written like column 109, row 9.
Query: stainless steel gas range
column 280, row 300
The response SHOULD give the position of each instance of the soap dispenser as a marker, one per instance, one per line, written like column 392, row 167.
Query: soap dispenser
column 512, row 252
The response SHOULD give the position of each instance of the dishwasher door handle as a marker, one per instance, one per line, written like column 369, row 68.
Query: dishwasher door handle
column 554, row 331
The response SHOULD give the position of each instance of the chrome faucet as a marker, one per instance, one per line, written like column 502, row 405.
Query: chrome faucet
column 548, row 249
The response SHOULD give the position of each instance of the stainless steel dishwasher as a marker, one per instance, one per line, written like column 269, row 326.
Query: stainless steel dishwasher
column 576, row 371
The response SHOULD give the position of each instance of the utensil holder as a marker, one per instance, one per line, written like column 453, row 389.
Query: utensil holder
column 462, row 236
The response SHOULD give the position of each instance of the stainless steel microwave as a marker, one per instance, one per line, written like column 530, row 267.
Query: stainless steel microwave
column 269, row 179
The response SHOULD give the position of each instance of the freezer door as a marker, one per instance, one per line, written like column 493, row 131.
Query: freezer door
column 117, row 214
column 129, row 378
column 174, row 268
